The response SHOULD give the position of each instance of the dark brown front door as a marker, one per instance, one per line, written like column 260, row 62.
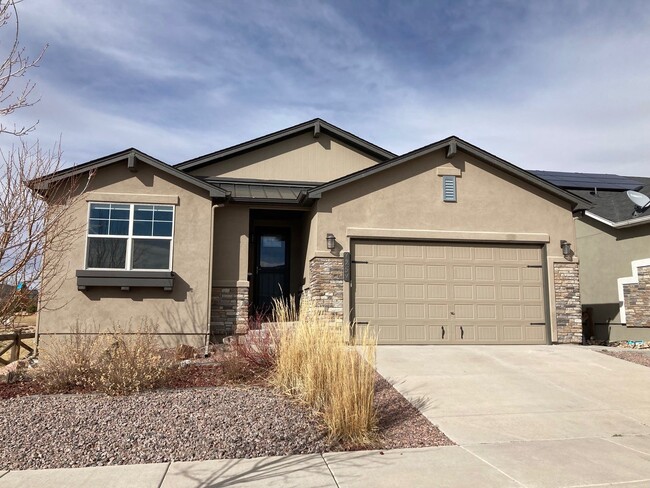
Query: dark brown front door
column 271, row 266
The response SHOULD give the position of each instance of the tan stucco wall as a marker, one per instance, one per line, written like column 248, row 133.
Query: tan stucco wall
column 407, row 200
column 300, row 158
column 184, row 310
column 231, row 227
column 606, row 255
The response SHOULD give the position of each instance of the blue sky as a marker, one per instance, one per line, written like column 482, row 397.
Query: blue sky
column 543, row 84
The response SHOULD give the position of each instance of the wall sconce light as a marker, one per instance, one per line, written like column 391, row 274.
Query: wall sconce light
column 331, row 242
column 566, row 248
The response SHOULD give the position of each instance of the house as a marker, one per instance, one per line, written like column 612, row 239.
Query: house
column 447, row 244
column 614, row 241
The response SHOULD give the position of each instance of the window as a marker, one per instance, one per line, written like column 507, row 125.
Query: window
column 129, row 236
column 448, row 188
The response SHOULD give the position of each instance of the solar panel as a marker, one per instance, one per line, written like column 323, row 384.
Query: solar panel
column 589, row 180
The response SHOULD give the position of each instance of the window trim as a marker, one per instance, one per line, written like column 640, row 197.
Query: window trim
column 129, row 238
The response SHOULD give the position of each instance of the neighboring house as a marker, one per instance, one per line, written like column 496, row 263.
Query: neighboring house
column 447, row 244
column 614, row 242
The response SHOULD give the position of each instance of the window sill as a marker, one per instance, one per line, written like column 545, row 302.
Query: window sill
column 125, row 280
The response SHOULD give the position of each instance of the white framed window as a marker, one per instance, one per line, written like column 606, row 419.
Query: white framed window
column 130, row 236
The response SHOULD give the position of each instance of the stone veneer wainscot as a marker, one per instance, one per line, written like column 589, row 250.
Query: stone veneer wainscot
column 326, row 285
column 568, row 310
column 229, row 313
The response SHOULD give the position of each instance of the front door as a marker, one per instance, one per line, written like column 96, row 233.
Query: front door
column 271, row 267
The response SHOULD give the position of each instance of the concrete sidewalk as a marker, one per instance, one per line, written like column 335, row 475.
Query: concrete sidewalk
column 620, row 461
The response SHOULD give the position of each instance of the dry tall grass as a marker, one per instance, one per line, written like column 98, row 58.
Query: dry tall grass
column 115, row 363
column 317, row 364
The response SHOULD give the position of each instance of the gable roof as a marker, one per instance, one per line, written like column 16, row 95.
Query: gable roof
column 607, row 195
column 316, row 126
column 130, row 156
column 453, row 144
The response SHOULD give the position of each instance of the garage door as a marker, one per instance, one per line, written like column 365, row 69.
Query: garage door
column 449, row 293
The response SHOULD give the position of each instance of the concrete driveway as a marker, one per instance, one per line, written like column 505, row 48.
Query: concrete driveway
column 540, row 415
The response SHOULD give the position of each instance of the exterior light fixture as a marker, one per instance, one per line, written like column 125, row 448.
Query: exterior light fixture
column 331, row 242
column 566, row 248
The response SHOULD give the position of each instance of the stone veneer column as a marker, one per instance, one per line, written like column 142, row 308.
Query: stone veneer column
column 326, row 285
column 568, row 310
column 229, row 311
column 636, row 297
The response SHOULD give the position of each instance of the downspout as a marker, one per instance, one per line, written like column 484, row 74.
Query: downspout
column 210, row 259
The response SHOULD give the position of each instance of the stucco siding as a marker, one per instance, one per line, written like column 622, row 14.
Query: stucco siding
column 182, row 311
column 406, row 202
column 606, row 255
column 300, row 158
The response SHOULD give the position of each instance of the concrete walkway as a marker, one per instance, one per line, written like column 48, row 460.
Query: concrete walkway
column 557, row 416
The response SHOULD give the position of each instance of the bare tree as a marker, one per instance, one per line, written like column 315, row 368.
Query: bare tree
column 32, row 223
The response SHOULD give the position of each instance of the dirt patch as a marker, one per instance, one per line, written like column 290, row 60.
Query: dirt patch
column 633, row 356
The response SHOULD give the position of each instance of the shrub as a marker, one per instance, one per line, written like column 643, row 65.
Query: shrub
column 116, row 363
column 317, row 365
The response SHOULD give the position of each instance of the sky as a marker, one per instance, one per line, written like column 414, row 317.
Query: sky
column 543, row 84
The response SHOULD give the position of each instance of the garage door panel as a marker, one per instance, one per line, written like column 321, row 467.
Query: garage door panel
column 465, row 333
column 484, row 273
column 450, row 293
column 532, row 293
column 386, row 271
column 463, row 273
column 386, row 290
column 510, row 274
column 485, row 292
column 513, row 333
column 463, row 292
column 413, row 271
column 414, row 291
column 464, row 311
column 487, row 333
column 438, row 311
column 436, row 252
column 439, row 334
column 534, row 313
column 461, row 253
column 415, row 333
column 387, row 311
column 437, row 292
column 437, row 273
column 415, row 310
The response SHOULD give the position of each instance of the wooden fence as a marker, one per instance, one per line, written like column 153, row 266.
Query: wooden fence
column 15, row 344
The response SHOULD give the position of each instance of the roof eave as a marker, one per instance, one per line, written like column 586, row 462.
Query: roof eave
column 622, row 224
column 316, row 126
column 130, row 156
column 453, row 144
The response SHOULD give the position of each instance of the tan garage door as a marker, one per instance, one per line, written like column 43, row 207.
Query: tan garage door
column 449, row 293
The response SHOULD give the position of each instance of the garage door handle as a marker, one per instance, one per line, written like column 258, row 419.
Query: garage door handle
column 452, row 313
column 443, row 331
column 462, row 332
column 538, row 323
column 363, row 323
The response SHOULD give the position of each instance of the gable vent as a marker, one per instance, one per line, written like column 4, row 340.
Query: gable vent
column 448, row 188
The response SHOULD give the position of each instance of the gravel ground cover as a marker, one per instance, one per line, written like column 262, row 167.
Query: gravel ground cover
column 641, row 357
column 75, row 430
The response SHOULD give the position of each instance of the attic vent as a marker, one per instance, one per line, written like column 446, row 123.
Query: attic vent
column 448, row 188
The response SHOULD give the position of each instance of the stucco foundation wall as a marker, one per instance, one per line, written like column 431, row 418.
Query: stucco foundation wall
column 568, row 309
column 605, row 256
column 229, row 310
column 180, row 315
column 637, row 300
